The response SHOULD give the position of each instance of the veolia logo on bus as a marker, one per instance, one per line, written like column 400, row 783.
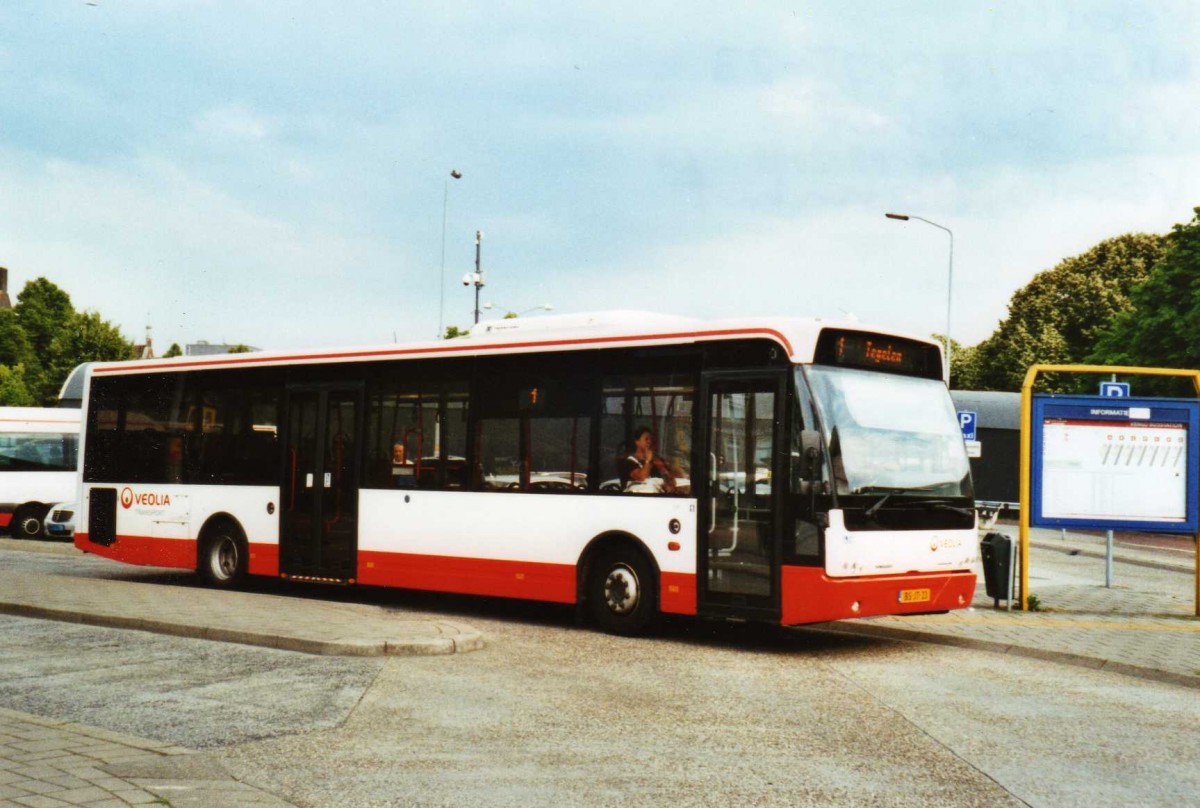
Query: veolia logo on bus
column 129, row 498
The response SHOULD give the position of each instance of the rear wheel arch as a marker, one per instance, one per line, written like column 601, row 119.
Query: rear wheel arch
column 222, row 552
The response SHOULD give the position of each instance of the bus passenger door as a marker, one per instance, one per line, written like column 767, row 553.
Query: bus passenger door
column 739, row 500
column 318, row 525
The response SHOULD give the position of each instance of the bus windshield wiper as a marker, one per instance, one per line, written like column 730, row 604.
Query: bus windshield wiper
column 940, row 505
column 871, row 511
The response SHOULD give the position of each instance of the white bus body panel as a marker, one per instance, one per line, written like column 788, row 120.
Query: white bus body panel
column 542, row 528
column 892, row 552
column 460, row 524
column 180, row 511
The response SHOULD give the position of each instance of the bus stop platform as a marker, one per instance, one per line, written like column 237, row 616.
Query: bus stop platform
column 307, row 625
column 1144, row 625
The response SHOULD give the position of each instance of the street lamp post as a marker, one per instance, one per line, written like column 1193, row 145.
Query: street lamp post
column 455, row 174
column 476, row 277
column 949, row 277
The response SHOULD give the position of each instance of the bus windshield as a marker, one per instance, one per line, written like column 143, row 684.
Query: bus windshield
column 890, row 434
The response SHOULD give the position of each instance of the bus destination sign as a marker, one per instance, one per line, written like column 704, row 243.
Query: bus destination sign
column 878, row 352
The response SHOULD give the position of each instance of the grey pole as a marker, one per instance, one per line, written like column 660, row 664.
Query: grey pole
column 903, row 217
column 478, row 273
column 456, row 174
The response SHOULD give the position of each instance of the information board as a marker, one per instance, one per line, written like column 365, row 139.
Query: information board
column 1126, row 464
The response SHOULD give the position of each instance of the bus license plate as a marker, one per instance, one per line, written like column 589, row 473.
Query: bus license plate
column 915, row 596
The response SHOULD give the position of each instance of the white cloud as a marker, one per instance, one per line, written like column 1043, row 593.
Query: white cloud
column 149, row 241
column 1007, row 228
column 236, row 123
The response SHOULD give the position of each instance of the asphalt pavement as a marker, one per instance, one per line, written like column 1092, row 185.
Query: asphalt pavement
column 1144, row 625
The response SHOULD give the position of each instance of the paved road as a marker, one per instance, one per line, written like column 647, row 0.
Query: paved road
column 547, row 712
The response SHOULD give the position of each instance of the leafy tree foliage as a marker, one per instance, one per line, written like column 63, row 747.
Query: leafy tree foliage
column 43, row 309
column 14, row 343
column 174, row 350
column 1162, row 328
column 13, row 390
column 240, row 348
column 43, row 338
column 1058, row 316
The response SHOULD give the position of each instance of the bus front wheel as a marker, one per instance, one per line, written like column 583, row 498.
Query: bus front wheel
column 622, row 595
column 222, row 561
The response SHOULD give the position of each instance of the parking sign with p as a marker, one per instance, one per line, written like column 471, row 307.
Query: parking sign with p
column 966, row 422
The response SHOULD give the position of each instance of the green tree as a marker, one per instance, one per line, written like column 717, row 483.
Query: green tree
column 1058, row 316
column 240, row 348
column 43, row 310
column 174, row 350
column 86, row 337
column 14, row 344
column 453, row 331
column 13, row 390
column 1162, row 327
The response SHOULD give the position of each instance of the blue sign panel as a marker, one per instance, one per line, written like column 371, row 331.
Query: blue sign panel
column 1114, row 389
column 1125, row 464
column 967, row 421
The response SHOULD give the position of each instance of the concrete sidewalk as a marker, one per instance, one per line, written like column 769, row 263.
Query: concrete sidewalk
column 1145, row 625
column 308, row 625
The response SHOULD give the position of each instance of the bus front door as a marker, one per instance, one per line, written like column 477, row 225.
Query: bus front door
column 318, row 525
column 739, row 503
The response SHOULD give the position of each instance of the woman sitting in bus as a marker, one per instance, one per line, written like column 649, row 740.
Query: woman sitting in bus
column 643, row 471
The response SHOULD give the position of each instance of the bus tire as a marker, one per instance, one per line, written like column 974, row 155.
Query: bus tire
column 27, row 522
column 221, row 562
column 622, row 593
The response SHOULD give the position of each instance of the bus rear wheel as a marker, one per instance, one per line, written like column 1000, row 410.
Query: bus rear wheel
column 622, row 594
column 27, row 523
column 222, row 560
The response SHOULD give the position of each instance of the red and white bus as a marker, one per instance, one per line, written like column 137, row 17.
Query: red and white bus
column 39, row 452
column 805, row 471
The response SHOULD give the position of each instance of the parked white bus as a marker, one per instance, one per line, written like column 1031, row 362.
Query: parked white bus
column 39, row 451
column 786, row 470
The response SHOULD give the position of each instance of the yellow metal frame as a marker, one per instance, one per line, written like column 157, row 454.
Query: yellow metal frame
column 1027, row 448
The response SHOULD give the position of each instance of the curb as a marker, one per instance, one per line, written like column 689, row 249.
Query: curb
column 1077, row 660
column 459, row 639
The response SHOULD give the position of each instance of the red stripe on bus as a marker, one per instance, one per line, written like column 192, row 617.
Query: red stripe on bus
column 811, row 596
column 247, row 359
column 264, row 559
column 146, row 551
column 528, row 580
column 678, row 595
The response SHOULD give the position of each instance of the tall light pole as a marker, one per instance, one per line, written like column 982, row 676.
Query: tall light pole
column 476, row 277
column 949, row 277
column 455, row 174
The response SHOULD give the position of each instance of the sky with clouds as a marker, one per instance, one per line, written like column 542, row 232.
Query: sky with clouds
column 279, row 173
